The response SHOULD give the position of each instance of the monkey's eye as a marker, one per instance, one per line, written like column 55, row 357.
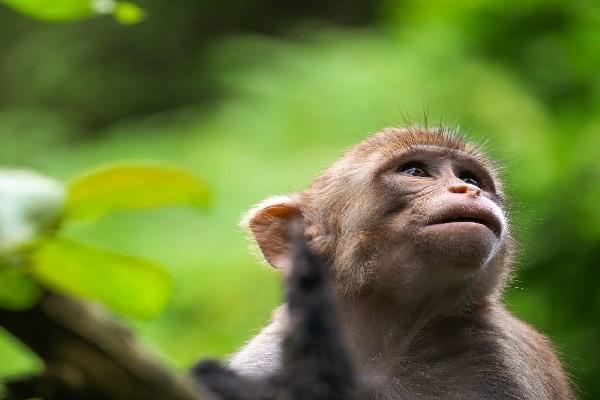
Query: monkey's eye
column 413, row 169
column 470, row 178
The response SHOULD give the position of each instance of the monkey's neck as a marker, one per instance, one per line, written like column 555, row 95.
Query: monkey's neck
column 377, row 327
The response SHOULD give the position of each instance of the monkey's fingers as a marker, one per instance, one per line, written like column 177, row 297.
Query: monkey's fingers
column 228, row 385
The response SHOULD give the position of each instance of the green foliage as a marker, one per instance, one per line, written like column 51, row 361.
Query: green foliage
column 63, row 10
column 17, row 290
column 32, row 256
column 132, row 187
column 128, row 13
column 127, row 285
column 57, row 10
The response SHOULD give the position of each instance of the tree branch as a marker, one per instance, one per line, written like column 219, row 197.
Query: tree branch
column 88, row 354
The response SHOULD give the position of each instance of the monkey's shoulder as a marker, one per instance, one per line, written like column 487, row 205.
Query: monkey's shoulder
column 488, row 353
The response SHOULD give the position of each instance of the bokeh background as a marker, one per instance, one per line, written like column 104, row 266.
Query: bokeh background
column 257, row 97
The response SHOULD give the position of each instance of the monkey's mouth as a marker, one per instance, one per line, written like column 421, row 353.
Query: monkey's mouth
column 469, row 216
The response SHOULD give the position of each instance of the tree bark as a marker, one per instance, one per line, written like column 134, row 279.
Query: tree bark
column 89, row 355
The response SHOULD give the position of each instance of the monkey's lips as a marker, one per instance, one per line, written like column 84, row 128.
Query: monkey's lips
column 467, row 216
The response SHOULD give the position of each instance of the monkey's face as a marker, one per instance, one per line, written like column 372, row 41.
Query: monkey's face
column 421, row 218
column 443, row 203
column 404, row 211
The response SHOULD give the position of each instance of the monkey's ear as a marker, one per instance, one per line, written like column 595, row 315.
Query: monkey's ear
column 270, row 222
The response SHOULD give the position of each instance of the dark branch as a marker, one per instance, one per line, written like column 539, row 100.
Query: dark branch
column 89, row 355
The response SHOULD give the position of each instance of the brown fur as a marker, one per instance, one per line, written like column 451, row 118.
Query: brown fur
column 421, row 311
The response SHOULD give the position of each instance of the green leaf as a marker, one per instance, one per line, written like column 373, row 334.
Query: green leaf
column 53, row 10
column 17, row 290
column 133, row 187
column 129, row 286
column 128, row 13
column 63, row 10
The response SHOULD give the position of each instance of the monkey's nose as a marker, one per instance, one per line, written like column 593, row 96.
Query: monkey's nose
column 465, row 188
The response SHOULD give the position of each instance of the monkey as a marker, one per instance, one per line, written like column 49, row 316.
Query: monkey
column 413, row 226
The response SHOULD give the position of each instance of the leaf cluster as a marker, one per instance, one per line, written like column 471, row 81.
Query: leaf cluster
column 35, row 257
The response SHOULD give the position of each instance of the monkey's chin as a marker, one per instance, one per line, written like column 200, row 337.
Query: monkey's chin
column 465, row 245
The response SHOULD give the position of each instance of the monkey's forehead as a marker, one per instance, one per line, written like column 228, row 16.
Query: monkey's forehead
column 394, row 140
column 377, row 151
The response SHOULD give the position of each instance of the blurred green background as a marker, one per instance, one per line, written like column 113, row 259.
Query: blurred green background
column 258, row 97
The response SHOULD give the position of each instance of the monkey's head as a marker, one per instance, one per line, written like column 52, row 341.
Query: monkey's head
column 407, row 213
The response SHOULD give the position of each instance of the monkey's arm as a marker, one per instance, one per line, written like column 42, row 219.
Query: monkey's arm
column 314, row 363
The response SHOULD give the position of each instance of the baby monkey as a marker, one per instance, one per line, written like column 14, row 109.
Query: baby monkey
column 413, row 228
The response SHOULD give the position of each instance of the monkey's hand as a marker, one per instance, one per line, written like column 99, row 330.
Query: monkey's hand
column 315, row 364
column 229, row 385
